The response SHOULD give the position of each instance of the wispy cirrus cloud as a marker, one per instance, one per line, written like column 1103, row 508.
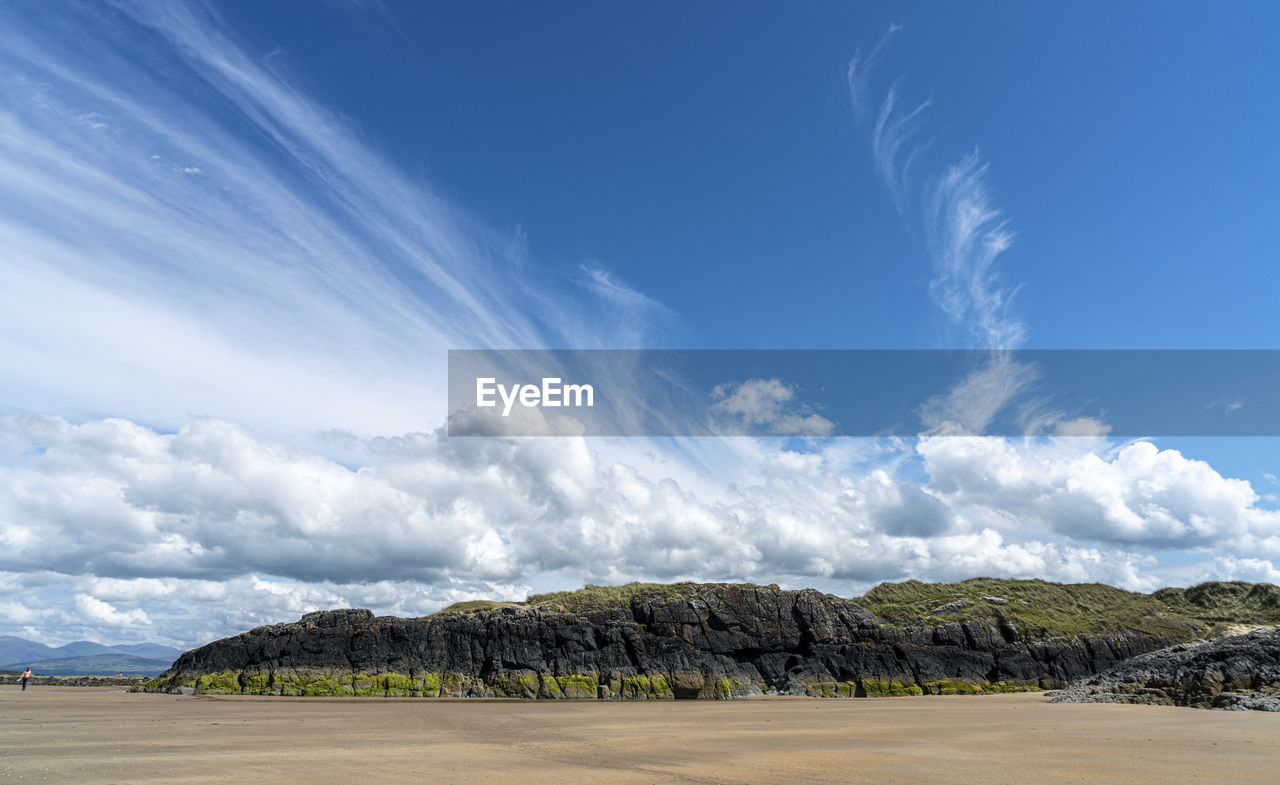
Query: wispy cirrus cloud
column 966, row 233
column 963, row 231
column 893, row 131
column 183, row 231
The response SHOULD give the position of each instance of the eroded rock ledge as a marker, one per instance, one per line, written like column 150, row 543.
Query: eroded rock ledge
column 685, row 641
column 1238, row 672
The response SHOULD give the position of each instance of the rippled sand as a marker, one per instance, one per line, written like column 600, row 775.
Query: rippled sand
column 94, row 735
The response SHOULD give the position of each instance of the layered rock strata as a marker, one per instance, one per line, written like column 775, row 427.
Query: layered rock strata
column 710, row 641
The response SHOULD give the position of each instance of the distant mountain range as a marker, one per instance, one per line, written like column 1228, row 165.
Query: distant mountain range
column 85, row 658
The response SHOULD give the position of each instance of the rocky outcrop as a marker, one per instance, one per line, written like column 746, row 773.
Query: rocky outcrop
column 688, row 641
column 1239, row 672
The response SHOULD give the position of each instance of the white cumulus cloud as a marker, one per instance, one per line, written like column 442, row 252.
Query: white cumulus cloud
column 96, row 611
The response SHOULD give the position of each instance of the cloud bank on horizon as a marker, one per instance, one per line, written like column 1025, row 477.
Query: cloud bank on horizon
column 212, row 287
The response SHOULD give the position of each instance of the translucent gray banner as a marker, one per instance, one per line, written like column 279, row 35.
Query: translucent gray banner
column 864, row 393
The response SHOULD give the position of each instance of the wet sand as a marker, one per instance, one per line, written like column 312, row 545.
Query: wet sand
column 96, row 735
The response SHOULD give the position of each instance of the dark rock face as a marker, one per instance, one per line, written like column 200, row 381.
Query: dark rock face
column 1240, row 672
column 714, row 641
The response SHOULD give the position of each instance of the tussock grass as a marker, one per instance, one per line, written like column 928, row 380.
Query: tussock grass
column 588, row 597
column 592, row 596
column 1223, row 603
column 476, row 606
column 1038, row 610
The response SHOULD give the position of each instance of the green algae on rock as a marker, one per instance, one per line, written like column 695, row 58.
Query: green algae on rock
column 697, row 641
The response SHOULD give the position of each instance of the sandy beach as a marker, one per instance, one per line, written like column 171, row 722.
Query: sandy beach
column 96, row 735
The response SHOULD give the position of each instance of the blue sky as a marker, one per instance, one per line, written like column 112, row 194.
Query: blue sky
column 707, row 154
column 238, row 240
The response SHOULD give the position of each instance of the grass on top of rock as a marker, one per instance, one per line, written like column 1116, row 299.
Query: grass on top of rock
column 476, row 606
column 588, row 597
column 1224, row 603
column 592, row 596
column 1038, row 609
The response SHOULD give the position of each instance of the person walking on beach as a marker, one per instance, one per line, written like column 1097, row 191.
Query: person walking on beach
column 26, row 676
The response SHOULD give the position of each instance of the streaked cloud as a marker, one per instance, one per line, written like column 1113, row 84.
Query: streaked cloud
column 966, row 234
column 963, row 230
column 202, row 264
column 184, row 232
column 894, row 131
